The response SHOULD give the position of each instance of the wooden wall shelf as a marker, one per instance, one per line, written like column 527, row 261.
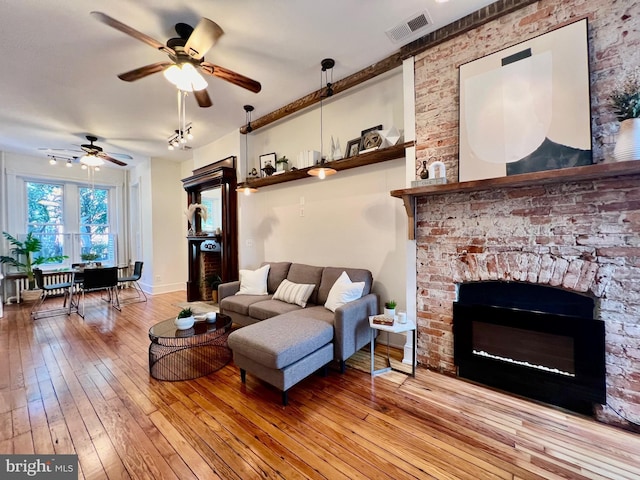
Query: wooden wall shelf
column 377, row 156
column 563, row 175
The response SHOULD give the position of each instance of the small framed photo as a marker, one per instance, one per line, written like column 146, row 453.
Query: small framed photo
column 267, row 164
column 367, row 135
column 353, row 147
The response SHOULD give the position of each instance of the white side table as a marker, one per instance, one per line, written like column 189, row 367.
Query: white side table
column 395, row 328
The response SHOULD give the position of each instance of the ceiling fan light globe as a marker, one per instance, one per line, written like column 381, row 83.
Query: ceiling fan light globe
column 173, row 74
column 52, row 161
column 91, row 161
column 198, row 81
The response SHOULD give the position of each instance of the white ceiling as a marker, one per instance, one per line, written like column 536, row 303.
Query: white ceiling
column 58, row 78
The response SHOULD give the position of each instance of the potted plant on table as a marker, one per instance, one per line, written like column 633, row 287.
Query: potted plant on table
column 390, row 308
column 24, row 260
column 625, row 101
column 185, row 319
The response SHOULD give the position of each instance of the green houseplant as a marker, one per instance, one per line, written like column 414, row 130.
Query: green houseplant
column 185, row 319
column 23, row 255
column 625, row 98
column 89, row 257
column 390, row 308
column 214, row 280
column 625, row 102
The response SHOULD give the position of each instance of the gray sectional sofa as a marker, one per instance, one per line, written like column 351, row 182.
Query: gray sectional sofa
column 281, row 342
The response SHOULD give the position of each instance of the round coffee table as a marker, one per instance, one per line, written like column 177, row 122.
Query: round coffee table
column 186, row 354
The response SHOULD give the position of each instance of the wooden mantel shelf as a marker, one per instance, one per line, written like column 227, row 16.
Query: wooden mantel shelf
column 588, row 172
column 369, row 158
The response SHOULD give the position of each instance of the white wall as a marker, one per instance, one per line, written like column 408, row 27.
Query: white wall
column 169, row 227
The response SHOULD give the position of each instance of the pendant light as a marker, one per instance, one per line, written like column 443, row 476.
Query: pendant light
column 244, row 187
column 322, row 171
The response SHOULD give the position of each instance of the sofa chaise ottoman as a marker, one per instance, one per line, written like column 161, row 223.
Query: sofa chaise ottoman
column 282, row 351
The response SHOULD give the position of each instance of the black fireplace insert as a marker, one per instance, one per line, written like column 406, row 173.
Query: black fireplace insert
column 532, row 340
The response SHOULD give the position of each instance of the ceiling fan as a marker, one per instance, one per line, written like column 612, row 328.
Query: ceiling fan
column 187, row 58
column 93, row 154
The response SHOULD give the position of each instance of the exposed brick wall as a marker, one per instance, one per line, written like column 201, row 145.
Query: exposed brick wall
column 210, row 263
column 614, row 43
column 581, row 236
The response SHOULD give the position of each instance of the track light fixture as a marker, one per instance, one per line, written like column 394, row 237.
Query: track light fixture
column 179, row 138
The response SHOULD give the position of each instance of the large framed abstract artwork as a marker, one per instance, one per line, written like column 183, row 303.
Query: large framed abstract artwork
column 527, row 108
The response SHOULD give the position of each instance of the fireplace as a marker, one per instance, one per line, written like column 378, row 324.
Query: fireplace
column 533, row 340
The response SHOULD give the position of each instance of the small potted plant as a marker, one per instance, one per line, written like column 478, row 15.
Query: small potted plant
column 282, row 164
column 89, row 257
column 214, row 280
column 390, row 308
column 185, row 319
column 625, row 102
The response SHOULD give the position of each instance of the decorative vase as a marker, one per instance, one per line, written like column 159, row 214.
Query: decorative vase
column 389, row 312
column 628, row 144
column 184, row 323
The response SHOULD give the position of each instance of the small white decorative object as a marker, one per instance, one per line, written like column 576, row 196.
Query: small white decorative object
column 628, row 143
column 184, row 323
column 390, row 137
column 402, row 317
column 437, row 170
column 336, row 151
column 389, row 312
column 211, row 317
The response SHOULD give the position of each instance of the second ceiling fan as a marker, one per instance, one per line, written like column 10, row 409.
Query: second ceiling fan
column 186, row 53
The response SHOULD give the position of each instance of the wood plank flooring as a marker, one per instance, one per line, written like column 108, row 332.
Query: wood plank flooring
column 69, row 385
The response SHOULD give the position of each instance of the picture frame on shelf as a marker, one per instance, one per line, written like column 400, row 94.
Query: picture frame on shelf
column 370, row 138
column 353, row 147
column 267, row 164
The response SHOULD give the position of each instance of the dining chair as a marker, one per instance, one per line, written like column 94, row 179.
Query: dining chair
column 100, row 280
column 50, row 290
column 133, row 280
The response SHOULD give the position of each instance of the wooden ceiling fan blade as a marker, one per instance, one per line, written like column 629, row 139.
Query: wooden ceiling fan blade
column 132, row 32
column 202, row 97
column 108, row 158
column 142, row 72
column 203, row 37
column 231, row 76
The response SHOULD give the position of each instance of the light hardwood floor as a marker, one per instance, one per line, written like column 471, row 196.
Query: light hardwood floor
column 71, row 385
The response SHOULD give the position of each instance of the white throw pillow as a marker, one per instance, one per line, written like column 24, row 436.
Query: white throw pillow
column 297, row 293
column 254, row 282
column 343, row 291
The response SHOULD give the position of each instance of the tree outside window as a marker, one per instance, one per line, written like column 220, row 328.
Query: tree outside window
column 45, row 217
column 96, row 243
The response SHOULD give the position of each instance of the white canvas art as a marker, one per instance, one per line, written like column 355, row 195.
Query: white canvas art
column 527, row 108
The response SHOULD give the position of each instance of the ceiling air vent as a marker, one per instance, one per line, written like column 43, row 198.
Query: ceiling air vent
column 411, row 28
